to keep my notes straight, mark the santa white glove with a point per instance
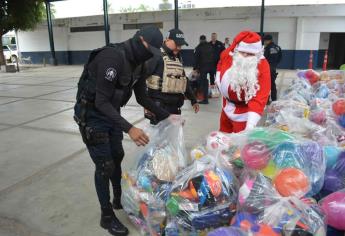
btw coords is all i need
(253, 119)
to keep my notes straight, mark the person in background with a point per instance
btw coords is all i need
(218, 47)
(204, 65)
(227, 42)
(273, 54)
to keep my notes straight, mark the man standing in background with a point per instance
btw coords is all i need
(204, 64)
(273, 54)
(218, 47)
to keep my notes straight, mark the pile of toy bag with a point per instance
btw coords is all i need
(287, 178)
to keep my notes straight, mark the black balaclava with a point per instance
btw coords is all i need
(153, 36)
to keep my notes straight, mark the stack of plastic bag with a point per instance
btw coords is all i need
(146, 188)
(202, 197)
(305, 108)
(264, 211)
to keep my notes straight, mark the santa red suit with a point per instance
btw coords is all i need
(244, 83)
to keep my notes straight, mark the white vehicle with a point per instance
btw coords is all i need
(10, 53)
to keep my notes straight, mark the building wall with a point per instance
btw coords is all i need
(300, 29)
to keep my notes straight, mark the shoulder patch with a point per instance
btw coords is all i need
(273, 50)
(110, 74)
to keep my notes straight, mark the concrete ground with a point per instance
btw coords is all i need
(46, 175)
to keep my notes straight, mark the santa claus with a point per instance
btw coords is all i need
(243, 78)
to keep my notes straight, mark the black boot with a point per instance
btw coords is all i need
(117, 199)
(110, 222)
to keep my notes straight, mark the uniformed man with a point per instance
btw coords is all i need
(167, 82)
(273, 55)
(204, 65)
(106, 84)
(218, 47)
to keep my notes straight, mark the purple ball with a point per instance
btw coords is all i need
(333, 182)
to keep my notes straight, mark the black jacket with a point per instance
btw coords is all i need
(155, 66)
(273, 54)
(204, 56)
(218, 47)
(113, 68)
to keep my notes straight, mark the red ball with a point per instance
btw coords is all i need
(256, 155)
(339, 107)
(291, 182)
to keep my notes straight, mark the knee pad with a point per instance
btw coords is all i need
(105, 168)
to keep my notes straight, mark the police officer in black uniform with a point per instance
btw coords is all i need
(218, 47)
(167, 82)
(273, 55)
(204, 65)
(106, 84)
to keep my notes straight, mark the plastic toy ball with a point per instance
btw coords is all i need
(339, 107)
(270, 170)
(291, 182)
(334, 207)
(341, 121)
(318, 117)
(287, 155)
(331, 154)
(333, 181)
(265, 230)
(216, 142)
(256, 155)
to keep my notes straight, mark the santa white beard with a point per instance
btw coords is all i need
(243, 76)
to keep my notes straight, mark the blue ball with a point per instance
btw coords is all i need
(331, 154)
(287, 154)
(341, 121)
(322, 92)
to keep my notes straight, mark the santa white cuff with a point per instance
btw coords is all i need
(253, 119)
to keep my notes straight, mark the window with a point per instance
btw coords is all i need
(87, 28)
(140, 25)
(5, 48)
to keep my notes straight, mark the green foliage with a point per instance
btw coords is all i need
(20, 14)
(142, 7)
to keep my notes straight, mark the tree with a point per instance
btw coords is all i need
(142, 7)
(19, 15)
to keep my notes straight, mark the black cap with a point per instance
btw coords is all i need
(268, 37)
(202, 37)
(152, 35)
(178, 36)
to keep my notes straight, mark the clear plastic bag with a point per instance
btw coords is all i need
(203, 196)
(146, 188)
(263, 211)
(334, 207)
(295, 166)
(228, 231)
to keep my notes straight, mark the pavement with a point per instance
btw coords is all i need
(46, 175)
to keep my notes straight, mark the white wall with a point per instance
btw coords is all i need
(299, 27)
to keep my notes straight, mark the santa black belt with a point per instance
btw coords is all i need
(239, 103)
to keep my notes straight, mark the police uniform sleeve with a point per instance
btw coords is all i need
(143, 99)
(108, 71)
(189, 93)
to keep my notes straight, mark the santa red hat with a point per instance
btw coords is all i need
(247, 41)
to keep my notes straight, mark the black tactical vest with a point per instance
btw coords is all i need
(122, 86)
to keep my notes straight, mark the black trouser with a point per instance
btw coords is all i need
(106, 153)
(204, 81)
(213, 75)
(273, 84)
